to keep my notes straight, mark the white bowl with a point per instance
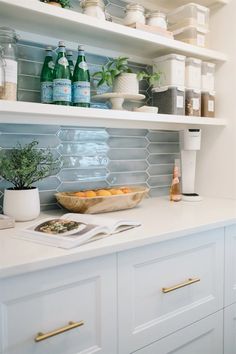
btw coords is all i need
(147, 109)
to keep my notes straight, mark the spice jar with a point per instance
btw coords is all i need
(94, 8)
(135, 13)
(157, 19)
(208, 104)
(8, 42)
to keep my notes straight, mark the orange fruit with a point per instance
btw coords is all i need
(116, 191)
(79, 194)
(103, 193)
(90, 194)
(127, 190)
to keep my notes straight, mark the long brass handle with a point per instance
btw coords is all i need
(181, 285)
(42, 336)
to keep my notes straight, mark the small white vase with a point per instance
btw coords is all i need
(23, 205)
(126, 83)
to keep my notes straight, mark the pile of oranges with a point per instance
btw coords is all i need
(102, 192)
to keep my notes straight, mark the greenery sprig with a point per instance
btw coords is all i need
(151, 78)
(24, 165)
(63, 3)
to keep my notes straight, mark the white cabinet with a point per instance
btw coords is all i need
(165, 287)
(230, 330)
(205, 336)
(48, 300)
(230, 265)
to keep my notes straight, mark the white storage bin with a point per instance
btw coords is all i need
(192, 35)
(190, 14)
(193, 70)
(172, 67)
(208, 77)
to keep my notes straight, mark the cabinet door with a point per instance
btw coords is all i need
(230, 330)
(45, 301)
(230, 265)
(205, 336)
(165, 287)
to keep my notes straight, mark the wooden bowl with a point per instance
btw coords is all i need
(106, 204)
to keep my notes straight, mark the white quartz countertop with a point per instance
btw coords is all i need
(161, 220)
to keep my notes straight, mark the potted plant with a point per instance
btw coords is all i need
(23, 166)
(117, 74)
(60, 3)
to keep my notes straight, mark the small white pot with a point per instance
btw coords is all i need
(23, 205)
(126, 83)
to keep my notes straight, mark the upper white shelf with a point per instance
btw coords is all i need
(36, 113)
(38, 18)
(171, 4)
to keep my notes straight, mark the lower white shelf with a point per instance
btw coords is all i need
(36, 113)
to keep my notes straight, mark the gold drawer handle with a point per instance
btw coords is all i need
(42, 336)
(182, 285)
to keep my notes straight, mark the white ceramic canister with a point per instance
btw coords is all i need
(22, 205)
(94, 8)
(135, 13)
(157, 19)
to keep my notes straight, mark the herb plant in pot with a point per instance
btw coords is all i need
(23, 166)
(59, 3)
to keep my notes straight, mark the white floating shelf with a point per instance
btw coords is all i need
(36, 17)
(36, 113)
(170, 4)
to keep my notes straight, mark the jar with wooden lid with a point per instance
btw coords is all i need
(135, 13)
(8, 44)
(157, 19)
(94, 8)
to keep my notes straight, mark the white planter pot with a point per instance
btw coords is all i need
(126, 83)
(23, 205)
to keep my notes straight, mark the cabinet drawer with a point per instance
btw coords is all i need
(205, 336)
(46, 301)
(230, 329)
(230, 265)
(156, 295)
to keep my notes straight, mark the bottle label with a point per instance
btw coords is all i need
(46, 92)
(61, 90)
(51, 65)
(10, 71)
(63, 61)
(83, 65)
(211, 106)
(81, 92)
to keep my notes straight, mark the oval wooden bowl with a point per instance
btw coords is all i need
(106, 204)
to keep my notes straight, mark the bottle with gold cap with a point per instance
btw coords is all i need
(175, 190)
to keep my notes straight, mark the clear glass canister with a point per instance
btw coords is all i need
(157, 19)
(135, 13)
(94, 8)
(8, 44)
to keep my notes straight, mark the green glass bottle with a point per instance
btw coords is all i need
(46, 78)
(81, 81)
(62, 78)
(69, 56)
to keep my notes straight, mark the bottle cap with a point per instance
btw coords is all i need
(48, 48)
(61, 44)
(69, 52)
(81, 48)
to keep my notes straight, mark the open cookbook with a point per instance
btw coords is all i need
(71, 230)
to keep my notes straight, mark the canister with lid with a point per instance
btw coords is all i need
(169, 100)
(208, 104)
(193, 73)
(8, 44)
(157, 19)
(135, 13)
(94, 8)
(193, 102)
(208, 77)
(172, 67)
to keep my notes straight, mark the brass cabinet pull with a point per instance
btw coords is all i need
(181, 285)
(42, 336)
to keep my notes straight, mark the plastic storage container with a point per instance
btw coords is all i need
(169, 100)
(173, 68)
(190, 15)
(193, 102)
(208, 104)
(193, 68)
(208, 77)
(191, 35)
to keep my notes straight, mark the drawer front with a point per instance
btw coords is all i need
(46, 301)
(205, 336)
(167, 286)
(230, 330)
(230, 265)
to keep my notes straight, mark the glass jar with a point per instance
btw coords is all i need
(8, 43)
(135, 13)
(94, 8)
(157, 19)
